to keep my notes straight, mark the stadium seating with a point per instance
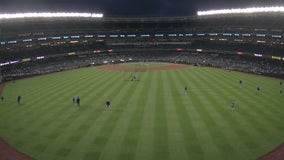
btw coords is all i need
(245, 43)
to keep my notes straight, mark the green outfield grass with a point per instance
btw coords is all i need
(151, 119)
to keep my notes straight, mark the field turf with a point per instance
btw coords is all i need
(150, 119)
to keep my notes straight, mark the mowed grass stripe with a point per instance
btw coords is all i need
(49, 114)
(250, 144)
(72, 122)
(115, 127)
(218, 107)
(250, 82)
(79, 119)
(270, 110)
(161, 147)
(90, 112)
(269, 106)
(48, 97)
(244, 137)
(238, 91)
(179, 125)
(56, 134)
(267, 134)
(204, 124)
(145, 146)
(90, 124)
(46, 83)
(201, 145)
(129, 145)
(264, 113)
(187, 118)
(123, 110)
(212, 102)
(23, 108)
(267, 113)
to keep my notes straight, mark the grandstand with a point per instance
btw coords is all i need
(255, 36)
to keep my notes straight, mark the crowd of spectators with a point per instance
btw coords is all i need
(248, 64)
(255, 65)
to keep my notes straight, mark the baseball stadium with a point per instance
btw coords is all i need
(204, 87)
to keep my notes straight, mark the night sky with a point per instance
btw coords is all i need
(130, 8)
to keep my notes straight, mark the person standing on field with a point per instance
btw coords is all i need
(73, 100)
(19, 99)
(108, 104)
(234, 105)
(78, 101)
(2, 99)
(185, 89)
(258, 89)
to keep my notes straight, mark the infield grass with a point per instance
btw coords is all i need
(150, 119)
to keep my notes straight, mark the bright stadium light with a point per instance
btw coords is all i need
(50, 15)
(242, 10)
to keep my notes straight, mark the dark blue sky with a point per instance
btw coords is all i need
(130, 8)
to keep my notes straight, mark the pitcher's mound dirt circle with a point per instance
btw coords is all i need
(118, 67)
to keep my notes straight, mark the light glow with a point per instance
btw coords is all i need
(276, 57)
(258, 55)
(242, 10)
(26, 59)
(40, 57)
(5, 63)
(240, 53)
(13, 62)
(199, 50)
(49, 15)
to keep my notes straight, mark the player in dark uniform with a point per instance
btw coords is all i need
(133, 78)
(19, 99)
(185, 89)
(281, 91)
(258, 89)
(2, 99)
(108, 104)
(234, 104)
(73, 100)
(78, 101)
(241, 82)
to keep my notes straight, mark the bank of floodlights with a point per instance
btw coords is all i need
(242, 11)
(50, 15)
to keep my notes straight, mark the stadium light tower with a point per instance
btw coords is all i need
(50, 15)
(242, 10)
